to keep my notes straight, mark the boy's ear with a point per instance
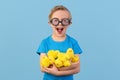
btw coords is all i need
(49, 23)
(70, 23)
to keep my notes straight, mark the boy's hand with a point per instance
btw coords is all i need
(52, 70)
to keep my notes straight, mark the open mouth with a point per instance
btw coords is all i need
(59, 30)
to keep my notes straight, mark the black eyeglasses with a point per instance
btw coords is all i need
(64, 21)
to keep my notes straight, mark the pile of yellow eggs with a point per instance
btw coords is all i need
(58, 58)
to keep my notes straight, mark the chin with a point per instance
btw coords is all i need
(60, 35)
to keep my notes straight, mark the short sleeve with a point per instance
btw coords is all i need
(76, 48)
(41, 48)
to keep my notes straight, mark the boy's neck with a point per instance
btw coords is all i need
(59, 38)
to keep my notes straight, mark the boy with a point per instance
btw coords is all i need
(59, 20)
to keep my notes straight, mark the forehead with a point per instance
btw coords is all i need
(61, 14)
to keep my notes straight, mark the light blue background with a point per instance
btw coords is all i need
(96, 26)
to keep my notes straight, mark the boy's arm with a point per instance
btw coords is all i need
(69, 72)
(75, 69)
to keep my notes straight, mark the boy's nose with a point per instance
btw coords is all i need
(60, 25)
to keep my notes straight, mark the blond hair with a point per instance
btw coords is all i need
(56, 8)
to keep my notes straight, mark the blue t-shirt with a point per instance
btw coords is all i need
(49, 44)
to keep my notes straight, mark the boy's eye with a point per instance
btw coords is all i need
(65, 21)
(55, 20)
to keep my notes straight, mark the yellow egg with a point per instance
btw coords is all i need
(75, 58)
(67, 57)
(53, 53)
(61, 56)
(45, 62)
(70, 52)
(66, 63)
(58, 63)
(51, 59)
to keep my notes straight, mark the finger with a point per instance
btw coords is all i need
(47, 70)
